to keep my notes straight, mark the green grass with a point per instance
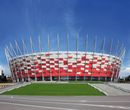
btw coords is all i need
(94, 82)
(56, 90)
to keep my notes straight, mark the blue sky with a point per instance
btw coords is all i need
(101, 18)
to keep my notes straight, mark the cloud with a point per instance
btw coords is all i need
(69, 18)
(125, 71)
(5, 69)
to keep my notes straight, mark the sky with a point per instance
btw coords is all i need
(100, 19)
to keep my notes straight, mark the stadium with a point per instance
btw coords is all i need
(63, 65)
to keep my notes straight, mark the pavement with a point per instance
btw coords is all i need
(64, 103)
(122, 86)
(117, 99)
(110, 89)
(3, 85)
(12, 86)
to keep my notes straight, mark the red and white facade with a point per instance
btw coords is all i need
(26, 64)
(65, 66)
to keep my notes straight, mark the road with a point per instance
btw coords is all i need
(64, 103)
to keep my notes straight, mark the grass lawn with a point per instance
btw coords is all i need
(94, 82)
(56, 90)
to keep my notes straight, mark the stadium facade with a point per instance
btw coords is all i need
(63, 65)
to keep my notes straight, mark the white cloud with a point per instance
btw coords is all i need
(5, 69)
(69, 18)
(125, 71)
(69, 21)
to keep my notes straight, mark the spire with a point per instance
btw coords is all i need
(18, 48)
(31, 43)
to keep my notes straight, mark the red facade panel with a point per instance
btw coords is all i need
(92, 65)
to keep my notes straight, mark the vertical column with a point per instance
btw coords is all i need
(23, 77)
(116, 54)
(17, 51)
(94, 48)
(19, 79)
(67, 56)
(14, 54)
(40, 50)
(76, 55)
(28, 62)
(117, 48)
(86, 43)
(121, 58)
(32, 49)
(13, 77)
(111, 69)
(58, 48)
(18, 48)
(25, 51)
(39, 44)
(49, 57)
(102, 49)
(9, 65)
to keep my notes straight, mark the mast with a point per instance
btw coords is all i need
(12, 48)
(25, 50)
(58, 48)
(94, 49)
(31, 44)
(109, 59)
(86, 43)
(39, 42)
(40, 50)
(49, 57)
(15, 55)
(121, 58)
(9, 65)
(18, 48)
(67, 55)
(32, 50)
(10, 54)
(76, 55)
(117, 49)
(102, 49)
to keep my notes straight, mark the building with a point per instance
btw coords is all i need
(63, 65)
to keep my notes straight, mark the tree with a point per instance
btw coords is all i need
(3, 77)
